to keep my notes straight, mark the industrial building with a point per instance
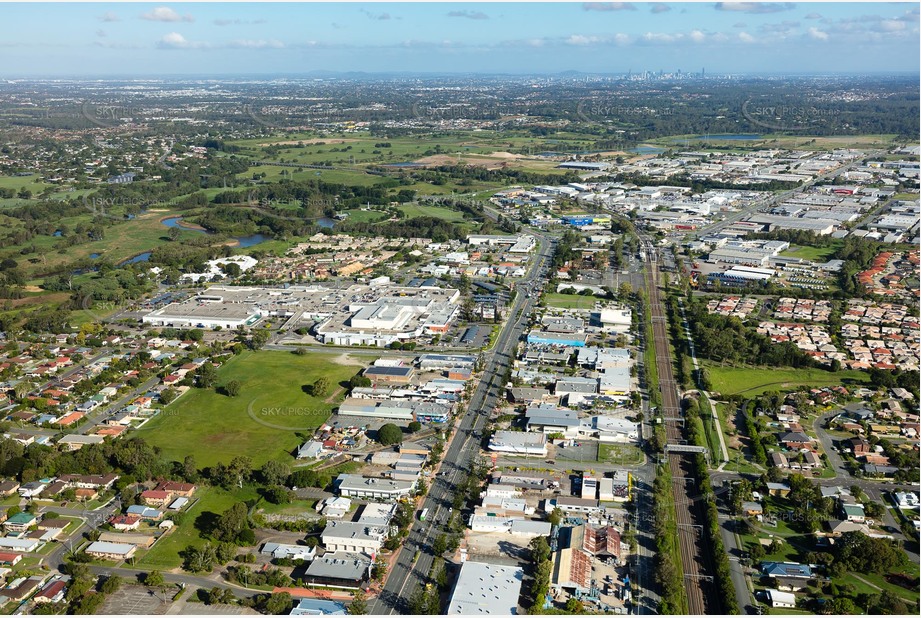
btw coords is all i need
(485, 589)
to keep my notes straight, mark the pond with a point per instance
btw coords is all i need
(242, 241)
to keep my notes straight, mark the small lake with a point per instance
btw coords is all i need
(141, 257)
(242, 241)
(741, 137)
(647, 150)
(326, 222)
(94, 256)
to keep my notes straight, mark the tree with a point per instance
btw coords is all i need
(233, 388)
(389, 434)
(111, 584)
(574, 606)
(231, 523)
(556, 516)
(320, 387)
(154, 579)
(274, 472)
(189, 469)
(278, 603)
(206, 375)
(415, 426)
(168, 396)
(199, 559)
(358, 606)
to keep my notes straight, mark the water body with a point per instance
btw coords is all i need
(326, 222)
(94, 256)
(58, 233)
(643, 150)
(141, 257)
(741, 137)
(242, 241)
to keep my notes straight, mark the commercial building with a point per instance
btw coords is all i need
(485, 589)
(518, 443)
(350, 536)
(339, 570)
(356, 486)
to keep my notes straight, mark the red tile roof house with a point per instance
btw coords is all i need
(9, 558)
(170, 379)
(125, 522)
(155, 497)
(178, 489)
(70, 419)
(51, 593)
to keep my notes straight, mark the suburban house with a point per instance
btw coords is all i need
(110, 551)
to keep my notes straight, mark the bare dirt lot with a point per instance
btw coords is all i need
(494, 160)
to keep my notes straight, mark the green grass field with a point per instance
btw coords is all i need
(212, 501)
(262, 421)
(751, 381)
(620, 454)
(815, 254)
(569, 301)
(446, 214)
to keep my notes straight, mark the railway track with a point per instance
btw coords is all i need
(695, 556)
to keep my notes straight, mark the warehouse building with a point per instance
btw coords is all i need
(483, 589)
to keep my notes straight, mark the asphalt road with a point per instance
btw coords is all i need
(405, 576)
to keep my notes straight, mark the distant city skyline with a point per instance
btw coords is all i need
(150, 39)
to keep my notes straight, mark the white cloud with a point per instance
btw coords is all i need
(891, 25)
(166, 14)
(813, 16)
(697, 36)
(174, 40)
(109, 16)
(755, 7)
(608, 6)
(746, 37)
(260, 44)
(818, 35)
(662, 37)
(659, 7)
(580, 39)
(101, 33)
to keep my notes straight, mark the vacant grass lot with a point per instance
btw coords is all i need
(438, 212)
(262, 421)
(569, 301)
(753, 381)
(212, 501)
(816, 254)
(620, 454)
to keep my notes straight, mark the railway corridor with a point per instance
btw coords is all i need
(697, 563)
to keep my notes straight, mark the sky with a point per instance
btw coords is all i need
(140, 39)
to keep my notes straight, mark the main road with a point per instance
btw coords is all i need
(409, 572)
